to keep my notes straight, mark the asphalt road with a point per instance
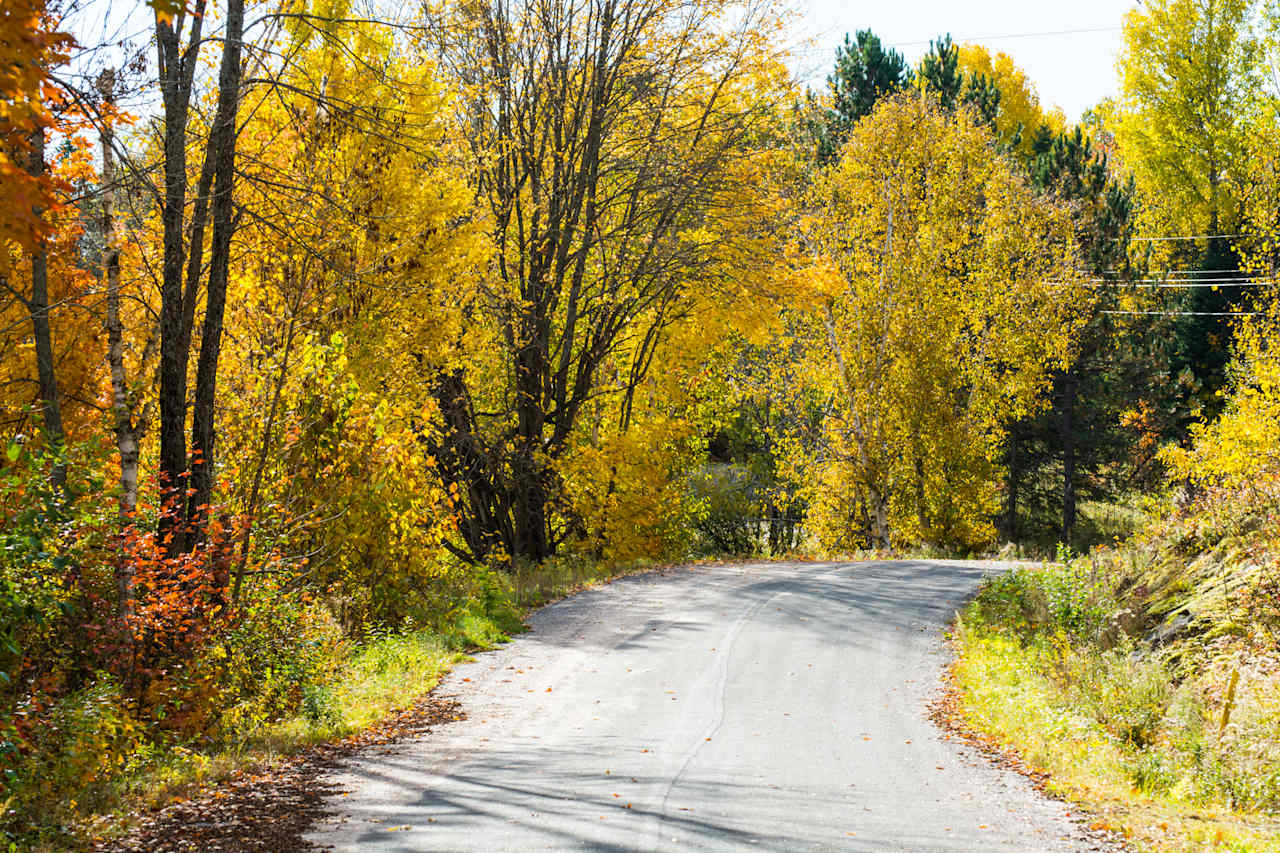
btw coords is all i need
(770, 706)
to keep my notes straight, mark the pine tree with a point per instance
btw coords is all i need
(940, 72)
(983, 95)
(864, 73)
(1080, 447)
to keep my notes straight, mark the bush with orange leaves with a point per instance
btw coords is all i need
(90, 682)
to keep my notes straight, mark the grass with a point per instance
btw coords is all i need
(382, 677)
(1132, 734)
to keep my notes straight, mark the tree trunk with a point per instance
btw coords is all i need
(121, 406)
(50, 404)
(922, 512)
(878, 502)
(1012, 483)
(176, 71)
(531, 541)
(222, 149)
(462, 460)
(1068, 438)
(879, 518)
(123, 425)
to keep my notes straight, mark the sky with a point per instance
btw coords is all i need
(1068, 49)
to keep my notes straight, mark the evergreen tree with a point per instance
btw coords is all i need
(1205, 330)
(864, 73)
(1083, 446)
(1193, 82)
(983, 95)
(940, 71)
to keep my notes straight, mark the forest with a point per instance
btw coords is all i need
(333, 339)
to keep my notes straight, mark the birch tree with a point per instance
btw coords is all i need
(949, 299)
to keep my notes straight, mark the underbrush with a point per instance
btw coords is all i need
(81, 762)
(1166, 731)
(98, 753)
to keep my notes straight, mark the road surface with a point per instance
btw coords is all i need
(777, 706)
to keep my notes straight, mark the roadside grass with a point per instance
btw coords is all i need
(354, 685)
(379, 678)
(1134, 735)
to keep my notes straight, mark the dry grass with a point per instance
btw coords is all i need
(1132, 735)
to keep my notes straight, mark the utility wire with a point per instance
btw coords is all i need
(1190, 313)
(1162, 284)
(1194, 272)
(1175, 285)
(1187, 237)
(980, 39)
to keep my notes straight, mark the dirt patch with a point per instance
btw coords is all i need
(271, 808)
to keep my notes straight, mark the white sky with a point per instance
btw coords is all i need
(1072, 70)
(1068, 49)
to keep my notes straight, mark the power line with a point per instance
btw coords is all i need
(1175, 285)
(1187, 237)
(1014, 36)
(1190, 313)
(815, 51)
(1162, 284)
(1191, 272)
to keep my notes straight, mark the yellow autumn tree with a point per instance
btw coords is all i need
(629, 200)
(1020, 114)
(949, 297)
(1190, 76)
(1240, 449)
(358, 248)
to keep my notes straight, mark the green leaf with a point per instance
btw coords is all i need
(13, 451)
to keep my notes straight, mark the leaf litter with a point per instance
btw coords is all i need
(270, 809)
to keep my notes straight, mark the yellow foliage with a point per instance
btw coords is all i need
(1243, 443)
(951, 297)
(628, 491)
(360, 238)
(1019, 103)
(1189, 86)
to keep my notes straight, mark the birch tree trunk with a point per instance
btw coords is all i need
(122, 405)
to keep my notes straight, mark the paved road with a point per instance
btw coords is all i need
(767, 707)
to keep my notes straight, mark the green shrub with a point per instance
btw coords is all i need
(318, 707)
(730, 509)
(1151, 774)
(1129, 695)
(1064, 598)
(278, 650)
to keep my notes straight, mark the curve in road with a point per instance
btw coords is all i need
(775, 706)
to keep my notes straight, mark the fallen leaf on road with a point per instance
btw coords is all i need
(268, 811)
